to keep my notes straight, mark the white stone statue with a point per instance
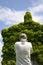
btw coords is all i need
(23, 49)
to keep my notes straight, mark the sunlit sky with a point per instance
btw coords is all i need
(12, 12)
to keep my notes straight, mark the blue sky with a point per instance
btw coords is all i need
(13, 11)
(18, 4)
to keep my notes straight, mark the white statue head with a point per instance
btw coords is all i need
(23, 37)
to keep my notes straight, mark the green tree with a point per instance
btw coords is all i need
(34, 33)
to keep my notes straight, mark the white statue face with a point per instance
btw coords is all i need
(23, 40)
(23, 37)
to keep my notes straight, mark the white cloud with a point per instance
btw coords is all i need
(9, 16)
(0, 36)
(37, 8)
(1, 45)
(37, 13)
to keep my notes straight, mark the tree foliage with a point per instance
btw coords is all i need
(34, 33)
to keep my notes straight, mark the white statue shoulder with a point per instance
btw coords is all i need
(29, 44)
(16, 44)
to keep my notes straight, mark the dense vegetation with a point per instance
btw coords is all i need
(34, 33)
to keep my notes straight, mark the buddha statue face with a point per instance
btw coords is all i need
(23, 37)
